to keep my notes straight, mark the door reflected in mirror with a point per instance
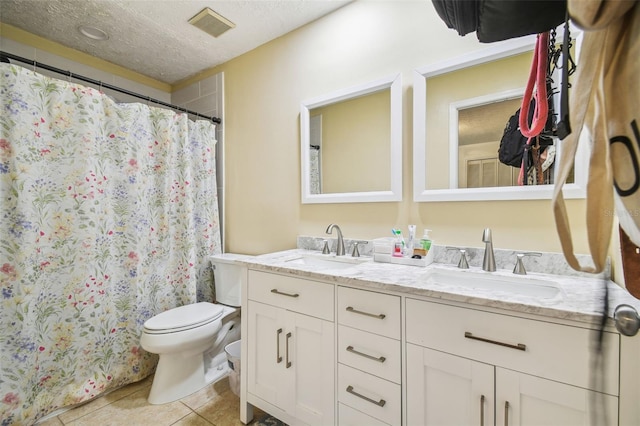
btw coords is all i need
(479, 131)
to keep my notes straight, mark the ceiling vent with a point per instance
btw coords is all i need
(211, 23)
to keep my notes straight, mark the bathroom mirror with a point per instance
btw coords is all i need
(351, 144)
(461, 107)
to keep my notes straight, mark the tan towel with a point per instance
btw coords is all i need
(605, 99)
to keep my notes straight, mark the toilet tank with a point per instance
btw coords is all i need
(228, 276)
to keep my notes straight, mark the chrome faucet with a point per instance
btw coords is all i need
(340, 244)
(356, 252)
(462, 263)
(519, 267)
(489, 261)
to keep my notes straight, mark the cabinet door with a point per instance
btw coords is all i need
(444, 389)
(311, 353)
(523, 400)
(266, 359)
(291, 360)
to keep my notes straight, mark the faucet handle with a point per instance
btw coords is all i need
(462, 263)
(519, 267)
(355, 252)
(325, 248)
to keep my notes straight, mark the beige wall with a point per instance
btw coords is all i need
(359, 43)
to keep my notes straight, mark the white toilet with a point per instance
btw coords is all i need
(190, 339)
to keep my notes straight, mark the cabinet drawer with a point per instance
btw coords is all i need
(294, 294)
(552, 351)
(368, 394)
(347, 416)
(369, 311)
(377, 355)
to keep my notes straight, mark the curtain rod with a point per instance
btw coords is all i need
(69, 74)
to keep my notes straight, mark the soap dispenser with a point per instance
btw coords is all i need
(425, 241)
(425, 244)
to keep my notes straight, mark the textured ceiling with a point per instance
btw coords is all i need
(154, 38)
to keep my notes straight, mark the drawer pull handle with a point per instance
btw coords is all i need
(375, 358)
(506, 413)
(519, 346)
(278, 357)
(373, 401)
(481, 410)
(355, 311)
(287, 353)
(276, 291)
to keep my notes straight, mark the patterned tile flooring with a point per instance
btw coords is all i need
(214, 405)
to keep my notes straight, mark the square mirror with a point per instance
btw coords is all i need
(461, 108)
(351, 144)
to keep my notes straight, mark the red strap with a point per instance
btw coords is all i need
(538, 79)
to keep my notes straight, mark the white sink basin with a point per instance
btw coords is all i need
(516, 284)
(327, 261)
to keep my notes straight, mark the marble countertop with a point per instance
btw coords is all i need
(580, 298)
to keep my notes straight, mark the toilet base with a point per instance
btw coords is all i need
(176, 377)
(180, 374)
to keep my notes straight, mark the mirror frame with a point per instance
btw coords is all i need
(392, 82)
(531, 192)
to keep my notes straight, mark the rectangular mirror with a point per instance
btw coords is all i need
(461, 107)
(351, 144)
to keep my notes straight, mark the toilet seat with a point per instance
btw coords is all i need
(183, 318)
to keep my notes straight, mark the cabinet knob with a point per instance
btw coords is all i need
(627, 320)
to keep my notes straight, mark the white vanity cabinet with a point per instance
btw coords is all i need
(459, 358)
(291, 347)
(369, 358)
(338, 350)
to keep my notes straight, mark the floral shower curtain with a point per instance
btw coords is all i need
(108, 212)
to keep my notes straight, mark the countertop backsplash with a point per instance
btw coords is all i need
(547, 263)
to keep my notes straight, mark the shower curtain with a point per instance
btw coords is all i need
(108, 212)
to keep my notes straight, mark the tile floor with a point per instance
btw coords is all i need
(214, 405)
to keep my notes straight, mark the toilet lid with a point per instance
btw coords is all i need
(184, 317)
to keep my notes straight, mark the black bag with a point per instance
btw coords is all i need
(496, 20)
(513, 142)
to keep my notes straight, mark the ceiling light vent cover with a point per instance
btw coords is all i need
(211, 23)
